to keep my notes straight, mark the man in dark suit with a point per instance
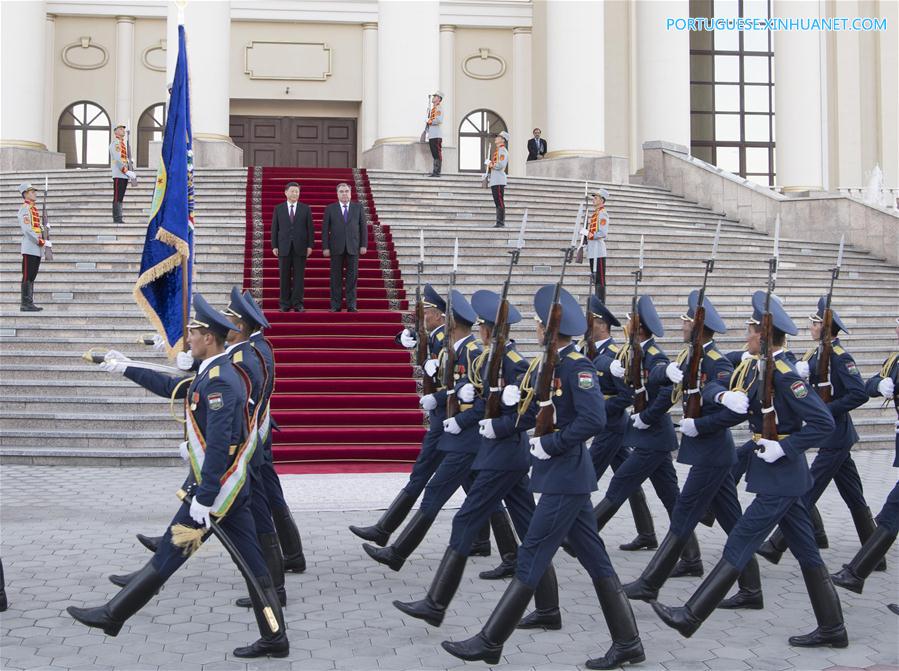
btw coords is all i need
(292, 240)
(536, 146)
(344, 238)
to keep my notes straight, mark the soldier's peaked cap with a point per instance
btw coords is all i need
(713, 320)
(573, 322)
(256, 312)
(599, 309)
(779, 317)
(462, 310)
(649, 317)
(206, 316)
(818, 316)
(486, 304)
(25, 186)
(432, 299)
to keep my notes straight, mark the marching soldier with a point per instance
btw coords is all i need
(596, 232)
(708, 447)
(564, 477)
(122, 174)
(779, 476)
(606, 449)
(434, 128)
(33, 244)
(834, 460)
(218, 450)
(497, 166)
(871, 554)
(502, 464)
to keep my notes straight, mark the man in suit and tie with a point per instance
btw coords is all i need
(536, 146)
(344, 238)
(292, 240)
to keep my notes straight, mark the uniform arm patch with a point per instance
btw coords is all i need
(215, 401)
(585, 380)
(799, 389)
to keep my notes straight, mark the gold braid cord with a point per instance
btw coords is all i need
(678, 391)
(527, 388)
(744, 376)
(474, 371)
(172, 400)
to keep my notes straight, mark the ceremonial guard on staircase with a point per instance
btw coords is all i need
(33, 244)
(596, 234)
(434, 130)
(122, 171)
(497, 179)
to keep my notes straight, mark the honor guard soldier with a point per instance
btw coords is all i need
(33, 244)
(434, 128)
(122, 173)
(779, 477)
(649, 433)
(707, 446)
(501, 464)
(563, 475)
(606, 449)
(497, 177)
(218, 451)
(834, 460)
(883, 385)
(459, 442)
(597, 230)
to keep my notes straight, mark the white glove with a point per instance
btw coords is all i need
(886, 387)
(511, 394)
(674, 373)
(585, 232)
(639, 423)
(537, 449)
(131, 175)
(466, 393)
(185, 360)
(735, 401)
(428, 402)
(802, 369)
(745, 355)
(486, 429)
(115, 355)
(114, 366)
(616, 369)
(200, 513)
(688, 427)
(408, 339)
(773, 450)
(158, 342)
(452, 426)
(431, 367)
(48, 244)
(184, 451)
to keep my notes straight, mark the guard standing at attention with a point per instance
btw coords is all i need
(434, 127)
(122, 174)
(33, 244)
(497, 167)
(596, 232)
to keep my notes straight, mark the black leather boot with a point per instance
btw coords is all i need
(853, 575)
(487, 645)
(390, 521)
(865, 526)
(117, 209)
(688, 618)
(500, 218)
(616, 609)
(481, 547)
(27, 298)
(271, 550)
(134, 596)
(546, 613)
(893, 608)
(690, 565)
(820, 534)
(289, 538)
(506, 569)
(446, 581)
(647, 586)
(149, 542)
(773, 548)
(271, 643)
(396, 555)
(708, 519)
(646, 533)
(438, 166)
(123, 579)
(749, 595)
(4, 604)
(826, 604)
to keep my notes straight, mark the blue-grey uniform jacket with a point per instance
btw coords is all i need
(890, 368)
(847, 394)
(660, 436)
(468, 440)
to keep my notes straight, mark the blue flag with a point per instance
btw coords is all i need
(163, 288)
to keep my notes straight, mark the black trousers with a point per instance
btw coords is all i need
(30, 265)
(436, 145)
(344, 266)
(119, 186)
(598, 268)
(292, 268)
(499, 196)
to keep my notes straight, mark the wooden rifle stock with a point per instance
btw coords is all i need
(500, 337)
(449, 361)
(589, 341)
(635, 367)
(769, 418)
(692, 396)
(543, 391)
(825, 349)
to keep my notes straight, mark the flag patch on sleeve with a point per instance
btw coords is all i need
(852, 368)
(799, 389)
(585, 380)
(215, 401)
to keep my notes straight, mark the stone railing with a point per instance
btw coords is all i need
(822, 217)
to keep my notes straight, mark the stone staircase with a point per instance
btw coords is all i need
(53, 405)
(678, 237)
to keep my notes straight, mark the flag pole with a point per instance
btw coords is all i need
(185, 304)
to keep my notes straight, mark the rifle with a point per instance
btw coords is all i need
(634, 373)
(825, 348)
(485, 180)
(423, 138)
(766, 356)
(500, 334)
(429, 386)
(579, 257)
(45, 228)
(449, 361)
(130, 161)
(692, 397)
(543, 390)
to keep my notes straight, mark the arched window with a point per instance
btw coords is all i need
(84, 135)
(476, 133)
(150, 127)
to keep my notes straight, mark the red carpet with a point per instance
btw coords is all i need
(345, 398)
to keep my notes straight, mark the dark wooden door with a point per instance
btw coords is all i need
(295, 141)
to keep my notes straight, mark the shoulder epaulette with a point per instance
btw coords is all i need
(809, 353)
(713, 354)
(575, 355)
(238, 357)
(214, 372)
(615, 348)
(783, 366)
(653, 349)
(838, 350)
(472, 346)
(513, 356)
(440, 335)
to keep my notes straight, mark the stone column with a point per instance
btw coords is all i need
(23, 52)
(50, 139)
(369, 109)
(797, 68)
(662, 73)
(448, 83)
(408, 70)
(124, 73)
(521, 99)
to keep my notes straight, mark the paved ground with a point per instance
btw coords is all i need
(65, 529)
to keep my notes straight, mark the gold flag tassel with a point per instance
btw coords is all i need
(188, 538)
